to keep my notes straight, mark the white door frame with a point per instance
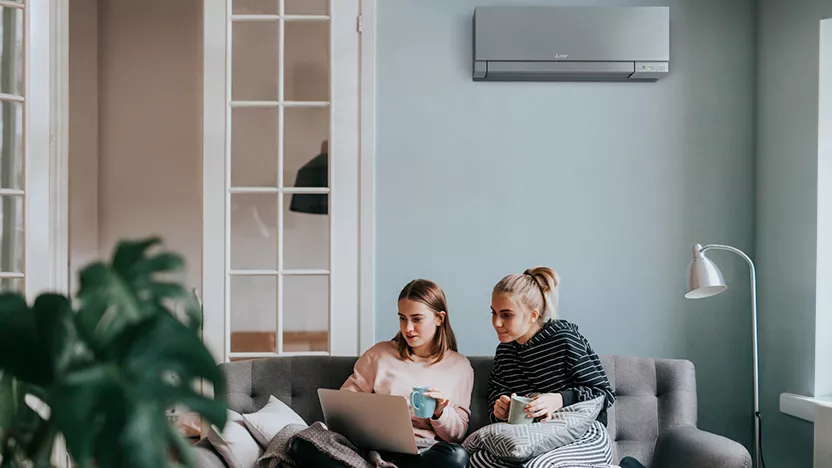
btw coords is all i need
(47, 156)
(367, 157)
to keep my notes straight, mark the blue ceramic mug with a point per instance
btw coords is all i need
(423, 405)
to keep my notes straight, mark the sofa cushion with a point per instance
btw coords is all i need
(269, 420)
(234, 443)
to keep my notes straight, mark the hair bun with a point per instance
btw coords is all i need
(545, 277)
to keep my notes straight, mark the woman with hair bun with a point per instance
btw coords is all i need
(546, 359)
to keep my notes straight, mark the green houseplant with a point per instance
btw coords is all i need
(103, 370)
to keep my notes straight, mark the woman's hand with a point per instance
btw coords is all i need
(441, 401)
(543, 405)
(501, 407)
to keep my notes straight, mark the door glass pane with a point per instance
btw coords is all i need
(306, 147)
(11, 234)
(254, 146)
(11, 285)
(307, 61)
(305, 313)
(253, 314)
(11, 51)
(307, 7)
(305, 231)
(11, 145)
(254, 231)
(254, 60)
(255, 7)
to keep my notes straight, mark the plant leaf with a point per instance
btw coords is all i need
(20, 352)
(56, 330)
(145, 436)
(163, 347)
(82, 402)
(128, 253)
(108, 306)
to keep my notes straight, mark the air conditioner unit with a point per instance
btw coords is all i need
(573, 43)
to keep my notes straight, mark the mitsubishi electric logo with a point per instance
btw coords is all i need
(561, 56)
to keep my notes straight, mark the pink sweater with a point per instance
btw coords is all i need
(381, 370)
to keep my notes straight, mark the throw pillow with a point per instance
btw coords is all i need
(234, 443)
(520, 443)
(270, 420)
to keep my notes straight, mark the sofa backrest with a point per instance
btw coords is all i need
(652, 394)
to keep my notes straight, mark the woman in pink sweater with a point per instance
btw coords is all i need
(423, 353)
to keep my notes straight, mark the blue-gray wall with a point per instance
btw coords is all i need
(787, 216)
(610, 184)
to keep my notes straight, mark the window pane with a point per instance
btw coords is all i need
(307, 61)
(305, 313)
(305, 231)
(306, 147)
(254, 62)
(11, 145)
(254, 7)
(11, 234)
(254, 231)
(254, 147)
(307, 7)
(253, 314)
(11, 51)
(11, 285)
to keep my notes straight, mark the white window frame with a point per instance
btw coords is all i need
(823, 299)
(351, 326)
(815, 408)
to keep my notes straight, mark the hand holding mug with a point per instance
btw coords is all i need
(424, 406)
(441, 401)
(501, 407)
(543, 405)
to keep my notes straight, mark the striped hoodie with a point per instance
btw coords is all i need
(558, 359)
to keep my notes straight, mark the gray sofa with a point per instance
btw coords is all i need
(653, 419)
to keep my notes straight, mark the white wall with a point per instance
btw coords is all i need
(136, 156)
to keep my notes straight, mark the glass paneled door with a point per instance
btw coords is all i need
(25, 229)
(281, 177)
(12, 155)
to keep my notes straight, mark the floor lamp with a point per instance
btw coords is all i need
(706, 280)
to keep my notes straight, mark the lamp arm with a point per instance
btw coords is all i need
(754, 340)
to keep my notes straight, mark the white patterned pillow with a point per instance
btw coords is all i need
(520, 443)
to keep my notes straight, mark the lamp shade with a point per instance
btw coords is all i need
(704, 277)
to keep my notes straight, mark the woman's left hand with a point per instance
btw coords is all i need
(441, 402)
(543, 405)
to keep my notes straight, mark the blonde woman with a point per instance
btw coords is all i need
(548, 360)
(423, 352)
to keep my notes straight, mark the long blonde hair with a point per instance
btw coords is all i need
(536, 288)
(430, 294)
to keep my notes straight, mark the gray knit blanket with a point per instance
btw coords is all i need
(333, 444)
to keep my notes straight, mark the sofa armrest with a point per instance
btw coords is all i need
(206, 457)
(689, 447)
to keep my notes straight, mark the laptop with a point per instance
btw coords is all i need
(369, 420)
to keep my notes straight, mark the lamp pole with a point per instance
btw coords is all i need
(757, 447)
